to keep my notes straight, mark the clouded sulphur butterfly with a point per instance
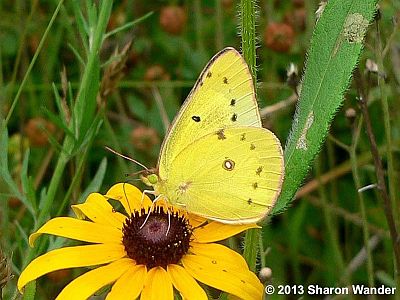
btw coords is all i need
(216, 160)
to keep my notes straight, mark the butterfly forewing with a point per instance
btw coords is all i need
(232, 175)
(222, 97)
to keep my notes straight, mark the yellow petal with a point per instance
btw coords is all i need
(219, 253)
(87, 284)
(195, 220)
(241, 283)
(129, 196)
(70, 257)
(216, 231)
(157, 285)
(79, 230)
(129, 285)
(185, 283)
(97, 209)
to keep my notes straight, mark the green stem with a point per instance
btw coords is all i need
(357, 181)
(30, 291)
(219, 21)
(53, 186)
(248, 32)
(85, 107)
(199, 25)
(331, 234)
(393, 182)
(75, 179)
(28, 72)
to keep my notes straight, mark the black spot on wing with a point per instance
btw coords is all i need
(259, 170)
(233, 102)
(196, 119)
(252, 147)
(234, 118)
(209, 74)
(243, 137)
(225, 80)
(221, 135)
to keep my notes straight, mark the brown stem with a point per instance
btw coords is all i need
(380, 174)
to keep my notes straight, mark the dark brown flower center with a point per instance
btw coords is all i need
(160, 240)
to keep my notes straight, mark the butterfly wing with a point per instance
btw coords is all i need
(223, 96)
(233, 175)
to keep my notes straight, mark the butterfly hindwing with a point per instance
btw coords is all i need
(233, 175)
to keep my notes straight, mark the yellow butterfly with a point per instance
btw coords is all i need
(216, 160)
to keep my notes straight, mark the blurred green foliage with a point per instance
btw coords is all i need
(302, 245)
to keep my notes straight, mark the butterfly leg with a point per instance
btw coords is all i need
(151, 207)
(148, 192)
(169, 223)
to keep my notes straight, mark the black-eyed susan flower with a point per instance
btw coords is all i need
(150, 253)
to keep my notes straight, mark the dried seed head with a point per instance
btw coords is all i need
(293, 78)
(173, 19)
(265, 274)
(144, 138)
(156, 72)
(298, 3)
(371, 66)
(279, 36)
(5, 271)
(37, 131)
(297, 19)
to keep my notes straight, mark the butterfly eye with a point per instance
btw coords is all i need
(228, 164)
(152, 178)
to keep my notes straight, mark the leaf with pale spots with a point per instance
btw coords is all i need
(333, 54)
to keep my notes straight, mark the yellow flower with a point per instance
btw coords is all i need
(149, 253)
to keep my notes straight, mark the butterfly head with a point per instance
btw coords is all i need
(150, 177)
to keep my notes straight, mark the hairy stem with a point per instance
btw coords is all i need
(248, 32)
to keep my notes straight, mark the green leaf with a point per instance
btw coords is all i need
(4, 145)
(128, 25)
(55, 119)
(27, 186)
(385, 278)
(5, 175)
(334, 51)
(96, 182)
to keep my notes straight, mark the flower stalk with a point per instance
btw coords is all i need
(248, 33)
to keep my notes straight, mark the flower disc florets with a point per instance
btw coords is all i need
(160, 240)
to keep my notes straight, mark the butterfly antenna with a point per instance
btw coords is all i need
(135, 173)
(126, 157)
(133, 179)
